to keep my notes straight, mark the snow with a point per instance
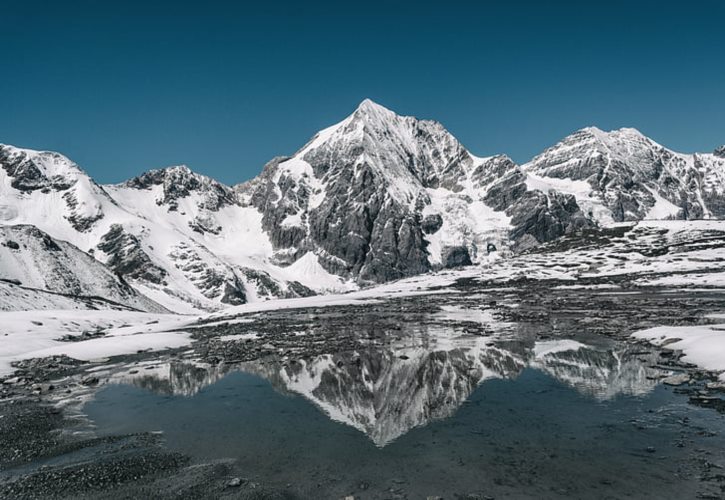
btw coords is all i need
(702, 345)
(465, 223)
(307, 269)
(32, 334)
(427, 284)
(662, 209)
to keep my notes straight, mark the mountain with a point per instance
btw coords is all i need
(380, 196)
(373, 198)
(177, 237)
(622, 175)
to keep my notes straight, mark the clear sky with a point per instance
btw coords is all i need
(125, 86)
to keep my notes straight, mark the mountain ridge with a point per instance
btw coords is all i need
(373, 198)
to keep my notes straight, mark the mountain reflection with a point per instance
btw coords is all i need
(385, 392)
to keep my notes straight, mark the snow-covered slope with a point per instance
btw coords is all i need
(31, 258)
(622, 175)
(179, 238)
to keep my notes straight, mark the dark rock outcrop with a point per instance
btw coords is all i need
(127, 258)
(431, 223)
(180, 182)
(456, 257)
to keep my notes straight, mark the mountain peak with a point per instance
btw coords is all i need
(720, 151)
(370, 106)
(623, 131)
(370, 110)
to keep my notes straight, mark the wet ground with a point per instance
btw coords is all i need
(478, 391)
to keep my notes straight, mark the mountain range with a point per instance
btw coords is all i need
(373, 198)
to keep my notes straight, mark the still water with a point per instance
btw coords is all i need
(557, 419)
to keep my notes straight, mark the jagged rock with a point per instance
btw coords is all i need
(127, 258)
(180, 182)
(355, 196)
(431, 223)
(719, 151)
(373, 198)
(80, 221)
(27, 175)
(297, 289)
(233, 294)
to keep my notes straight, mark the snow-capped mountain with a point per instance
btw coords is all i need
(376, 197)
(380, 196)
(622, 175)
(177, 237)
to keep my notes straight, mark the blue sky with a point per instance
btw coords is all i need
(124, 86)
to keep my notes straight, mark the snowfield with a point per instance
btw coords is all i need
(37, 334)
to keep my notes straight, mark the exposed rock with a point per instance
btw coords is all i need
(180, 182)
(234, 482)
(27, 175)
(62, 268)
(456, 257)
(127, 258)
(630, 174)
(431, 223)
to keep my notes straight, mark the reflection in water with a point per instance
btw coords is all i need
(385, 392)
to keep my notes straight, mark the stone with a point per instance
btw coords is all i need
(235, 482)
(678, 379)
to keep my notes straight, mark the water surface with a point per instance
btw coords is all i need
(554, 419)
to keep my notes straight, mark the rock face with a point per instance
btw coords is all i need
(456, 257)
(176, 235)
(127, 258)
(27, 173)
